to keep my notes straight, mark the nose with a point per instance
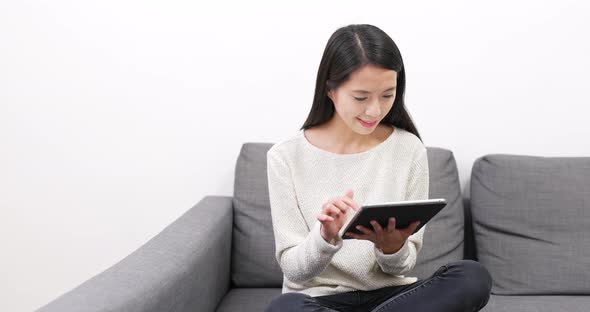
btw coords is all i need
(374, 109)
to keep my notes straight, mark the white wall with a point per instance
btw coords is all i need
(117, 116)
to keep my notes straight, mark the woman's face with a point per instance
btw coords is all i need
(367, 95)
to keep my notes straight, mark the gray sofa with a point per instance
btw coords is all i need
(529, 218)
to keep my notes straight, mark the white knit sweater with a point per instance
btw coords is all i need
(302, 177)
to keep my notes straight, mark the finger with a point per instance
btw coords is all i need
(329, 207)
(377, 227)
(341, 205)
(391, 225)
(333, 203)
(410, 229)
(364, 230)
(349, 193)
(324, 218)
(332, 211)
(353, 235)
(351, 203)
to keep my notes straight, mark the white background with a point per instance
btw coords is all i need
(117, 116)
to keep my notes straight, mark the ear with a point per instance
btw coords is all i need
(329, 92)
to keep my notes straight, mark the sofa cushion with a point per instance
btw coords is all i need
(443, 237)
(253, 247)
(247, 299)
(531, 217)
(498, 303)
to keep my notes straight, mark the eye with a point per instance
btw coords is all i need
(362, 99)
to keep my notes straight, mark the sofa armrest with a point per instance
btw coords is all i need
(185, 267)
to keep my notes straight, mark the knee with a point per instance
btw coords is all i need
(288, 302)
(476, 279)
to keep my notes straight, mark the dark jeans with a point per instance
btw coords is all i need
(464, 285)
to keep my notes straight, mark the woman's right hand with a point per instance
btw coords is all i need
(334, 215)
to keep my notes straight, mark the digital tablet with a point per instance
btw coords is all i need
(404, 212)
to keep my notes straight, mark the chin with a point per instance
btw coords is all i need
(364, 130)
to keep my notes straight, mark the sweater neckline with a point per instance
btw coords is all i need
(372, 150)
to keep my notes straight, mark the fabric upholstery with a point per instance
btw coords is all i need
(177, 270)
(499, 303)
(253, 261)
(531, 217)
(248, 299)
(443, 237)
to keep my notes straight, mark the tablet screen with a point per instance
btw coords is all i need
(404, 212)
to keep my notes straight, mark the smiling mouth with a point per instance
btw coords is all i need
(367, 124)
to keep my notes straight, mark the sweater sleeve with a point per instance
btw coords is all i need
(404, 259)
(301, 253)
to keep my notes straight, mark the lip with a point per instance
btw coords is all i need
(367, 125)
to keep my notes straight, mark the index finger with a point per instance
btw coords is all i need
(351, 203)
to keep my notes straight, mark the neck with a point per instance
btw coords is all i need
(343, 136)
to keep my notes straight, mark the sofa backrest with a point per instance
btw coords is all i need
(444, 234)
(531, 219)
(253, 262)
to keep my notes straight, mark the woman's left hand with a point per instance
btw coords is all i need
(389, 240)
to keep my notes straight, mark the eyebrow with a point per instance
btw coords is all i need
(364, 91)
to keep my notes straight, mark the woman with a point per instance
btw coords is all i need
(358, 145)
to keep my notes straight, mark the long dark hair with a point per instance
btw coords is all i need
(348, 49)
